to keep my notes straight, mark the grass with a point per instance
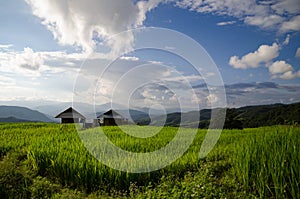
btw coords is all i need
(50, 161)
(268, 163)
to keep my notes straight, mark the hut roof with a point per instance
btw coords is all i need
(70, 113)
(110, 114)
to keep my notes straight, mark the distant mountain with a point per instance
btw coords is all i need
(244, 117)
(21, 114)
(157, 111)
(188, 119)
(13, 119)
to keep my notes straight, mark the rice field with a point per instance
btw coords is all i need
(50, 160)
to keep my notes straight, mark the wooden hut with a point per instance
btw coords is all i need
(70, 115)
(111, 118)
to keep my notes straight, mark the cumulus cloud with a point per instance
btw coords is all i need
(28, 75)
(88, 23)
(29, 59)
(291, 25)
(290, 75)
(84, 23)
(263, 54)
(272, 14)
(26, 59)
(280, 67)
(30, 63)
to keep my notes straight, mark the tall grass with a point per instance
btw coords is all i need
(56, 151)
(265, 160)
(268, 163)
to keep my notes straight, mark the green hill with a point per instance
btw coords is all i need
(21, 114)
(265, 115)
(244, 117)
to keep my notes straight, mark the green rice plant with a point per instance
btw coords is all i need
(265, 160)
(62, 155)
(268, 164)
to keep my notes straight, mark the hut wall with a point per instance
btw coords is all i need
(109, 122)
(113, 122)
(69, 120)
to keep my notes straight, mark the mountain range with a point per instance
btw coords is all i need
(243, 117)
(21, 114)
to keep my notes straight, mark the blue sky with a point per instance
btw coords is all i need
(44, 45)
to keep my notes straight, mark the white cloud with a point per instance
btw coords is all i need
(25, 62)
(287, 6)
(29, 59)
(280, 67)
(84, 23)
(264, 21)
(298, 53)
(272, 14)
(31, 63)
(146, 6)
(5, 46)
(26, 75)
(219, 7)
(77, 22)
(224, 23)
(129, 58)
(288, 75)
(212, 98)
(287, 40)
(291, 25)
(263, 54)
(87, 23)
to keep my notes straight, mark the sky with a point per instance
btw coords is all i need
(153, 53)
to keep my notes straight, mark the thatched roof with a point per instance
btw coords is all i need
(70, 113)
